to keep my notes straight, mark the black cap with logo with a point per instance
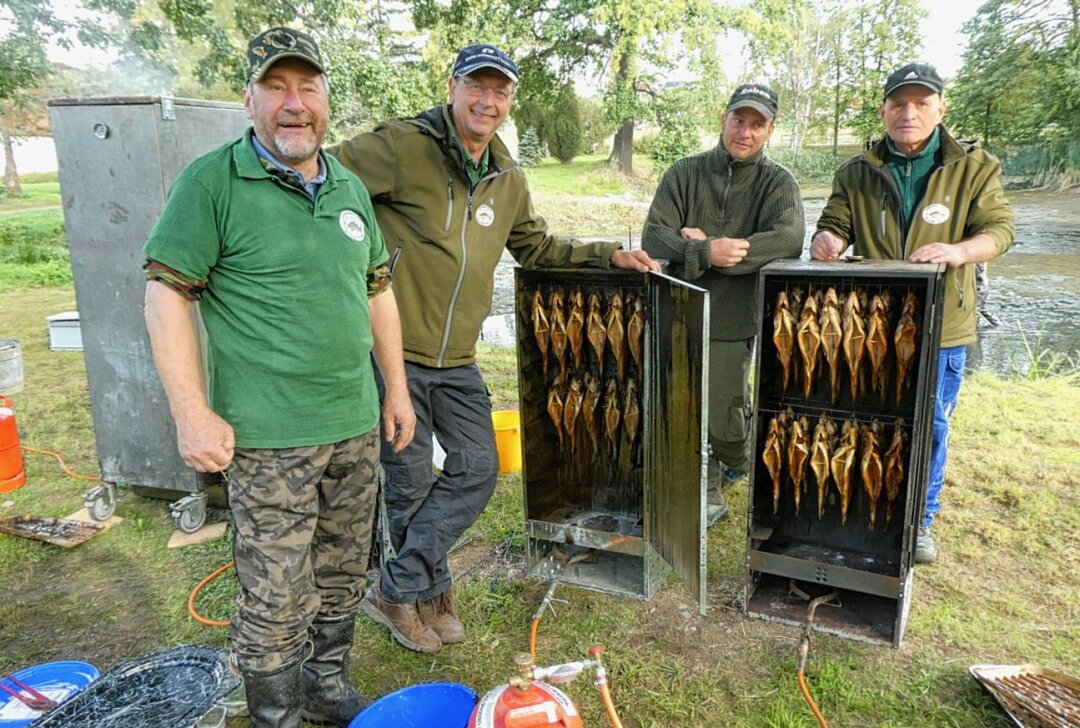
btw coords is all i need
(914, 74)
(756, 96)
(483, 55)
(271, 46)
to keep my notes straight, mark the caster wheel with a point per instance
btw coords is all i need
(189, 513)
(100, 501)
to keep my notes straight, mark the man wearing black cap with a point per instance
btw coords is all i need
(920, 195)
(720, 216)
(450, 200)
(279, 245)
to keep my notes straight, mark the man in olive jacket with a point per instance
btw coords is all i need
(720, 216)
(449, 199)
(920, 195)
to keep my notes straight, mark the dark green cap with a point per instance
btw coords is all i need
(271, 46)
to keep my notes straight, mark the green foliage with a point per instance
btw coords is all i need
(644, 142)
(33, 250)
(594, 129)
(808, 167)
(564, 133)
(529, 149)
(529, 115)
(678, 136)
(1042, 363)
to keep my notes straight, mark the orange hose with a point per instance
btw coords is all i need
(605, 695)
(60, 460)
(810, 700)
(532, 636)
(195, 592)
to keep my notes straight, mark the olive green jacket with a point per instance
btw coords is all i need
(445, 237)
(963, 198)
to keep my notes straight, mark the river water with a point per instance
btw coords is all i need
(1034, 301)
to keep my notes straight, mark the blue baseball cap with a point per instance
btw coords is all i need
(483, 55)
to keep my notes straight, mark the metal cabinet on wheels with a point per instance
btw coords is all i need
(117, 159)
(867, 436)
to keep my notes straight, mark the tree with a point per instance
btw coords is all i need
(529, 150)
(679, 126)
(564, 133)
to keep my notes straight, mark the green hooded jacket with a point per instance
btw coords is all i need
(446, 237)
(963, 198)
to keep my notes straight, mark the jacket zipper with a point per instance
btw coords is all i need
(449, 203)
(464, 261)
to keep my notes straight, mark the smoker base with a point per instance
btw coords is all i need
(862, 617)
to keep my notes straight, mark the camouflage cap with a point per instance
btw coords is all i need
(271, 46)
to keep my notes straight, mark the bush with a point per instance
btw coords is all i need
(815, 167)
(644, 141)
(678, 135)
(594, 128)
(564, 136)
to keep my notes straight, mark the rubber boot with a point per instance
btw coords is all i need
(274, 700)
(330, 698)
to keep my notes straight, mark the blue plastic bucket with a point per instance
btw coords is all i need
(431, 705)
(55, 680)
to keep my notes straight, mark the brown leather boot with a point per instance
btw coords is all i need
(438, 613)
(402, 620)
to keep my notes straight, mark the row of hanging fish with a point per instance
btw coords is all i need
(819, 334)
(580, 403)
(566, 325)
(791, 449)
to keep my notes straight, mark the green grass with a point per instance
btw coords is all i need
(1004, 591)
(33, 250)
(34, 194)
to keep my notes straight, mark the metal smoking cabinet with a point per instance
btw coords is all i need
(618, 517)
(798, 550)
(118, 157)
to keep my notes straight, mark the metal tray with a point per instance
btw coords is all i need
(65, 532)
(171, 689)
(1033, 696)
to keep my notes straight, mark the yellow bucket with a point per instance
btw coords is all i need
(508, 439)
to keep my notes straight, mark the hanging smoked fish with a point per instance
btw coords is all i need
(773, 457)
(854, 341)
(798, 451)
(595, 330)
(832, 333)
(894, 468)
(877, 344)
(821, 457)
(555, 407)
(589, 405)
(616, 332)
(571, 408)
(808, 336)
(904, 340)
(784, 335)
(557, 319)
(575, 327)
(635, 329)
(612, 416)
(541, 327)
(631, 412)
(843, 465)
(871, 468)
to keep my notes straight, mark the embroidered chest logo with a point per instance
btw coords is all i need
(936, 214)
(352, 225)
(485, 215)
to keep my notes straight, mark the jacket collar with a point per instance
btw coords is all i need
(724, 159)
(436, 122)
(951, 149)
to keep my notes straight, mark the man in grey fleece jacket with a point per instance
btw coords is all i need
(718, 217)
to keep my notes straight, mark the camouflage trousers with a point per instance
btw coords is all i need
(303, 521)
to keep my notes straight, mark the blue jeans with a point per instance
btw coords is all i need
(950, 374)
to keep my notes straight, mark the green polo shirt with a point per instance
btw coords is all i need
(286, 300)
(475, 170)
(912, 174)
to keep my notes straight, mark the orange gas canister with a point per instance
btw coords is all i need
(12, 475)
(525, 703)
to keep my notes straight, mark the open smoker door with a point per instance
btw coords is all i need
(675, 459)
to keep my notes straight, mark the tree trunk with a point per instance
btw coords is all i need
(622, 149)
(11, 174)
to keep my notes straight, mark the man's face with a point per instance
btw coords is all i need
(479, 104)
(745, 131)
(910, 115)
(289, 109)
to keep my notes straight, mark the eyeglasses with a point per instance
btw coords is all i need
(475, 88)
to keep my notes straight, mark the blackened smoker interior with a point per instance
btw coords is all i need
(865, 419)
(586, 403)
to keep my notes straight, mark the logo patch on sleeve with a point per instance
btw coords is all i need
(352, 225)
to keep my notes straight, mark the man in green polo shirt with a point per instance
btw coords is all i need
(278, 244)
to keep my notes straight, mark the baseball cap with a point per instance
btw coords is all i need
(756, 96)
(271, 46)
(918, 74)
(482, 55)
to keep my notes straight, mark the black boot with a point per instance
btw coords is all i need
(330, 698)
(274, 700)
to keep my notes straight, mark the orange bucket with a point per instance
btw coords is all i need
(12, 475)
(508, 439)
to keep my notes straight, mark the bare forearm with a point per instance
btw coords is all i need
(386, 329)
(175, 348)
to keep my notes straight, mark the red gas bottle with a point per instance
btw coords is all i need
(12, 475)
(525, 702)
